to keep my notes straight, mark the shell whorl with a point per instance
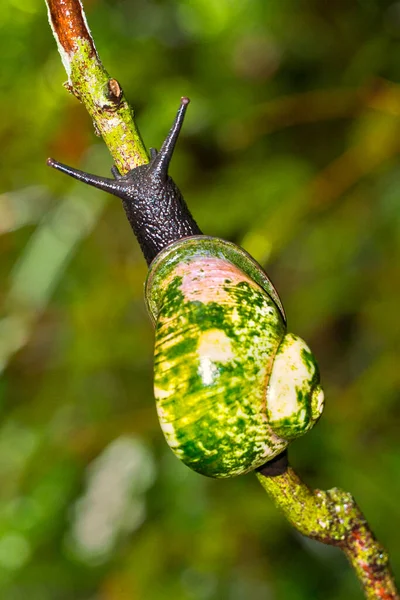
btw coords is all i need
(217, 333)
(207, 246)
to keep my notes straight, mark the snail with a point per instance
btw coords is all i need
(232, 387)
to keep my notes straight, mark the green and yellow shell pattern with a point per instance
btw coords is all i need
(232, 388)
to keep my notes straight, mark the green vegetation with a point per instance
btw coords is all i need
(290, 148)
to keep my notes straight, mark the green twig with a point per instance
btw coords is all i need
(88, 80)
(331, 517)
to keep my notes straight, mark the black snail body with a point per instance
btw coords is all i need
(232, 387)
(153, 203)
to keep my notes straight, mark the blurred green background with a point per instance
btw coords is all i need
(290, 148)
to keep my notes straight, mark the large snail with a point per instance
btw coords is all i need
(232, 387)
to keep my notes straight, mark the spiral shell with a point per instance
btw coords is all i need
(220, 343)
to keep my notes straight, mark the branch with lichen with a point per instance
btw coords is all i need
(331, 517)
(88, 80)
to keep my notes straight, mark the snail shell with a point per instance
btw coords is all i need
(232, 388)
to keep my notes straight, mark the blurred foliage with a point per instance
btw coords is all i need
(291, 148)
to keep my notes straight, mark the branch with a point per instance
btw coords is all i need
(101, 95)
(331, 517)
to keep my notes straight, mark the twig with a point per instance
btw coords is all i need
(90, 83)
(331, 517)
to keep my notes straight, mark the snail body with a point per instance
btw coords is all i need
(232, 387)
